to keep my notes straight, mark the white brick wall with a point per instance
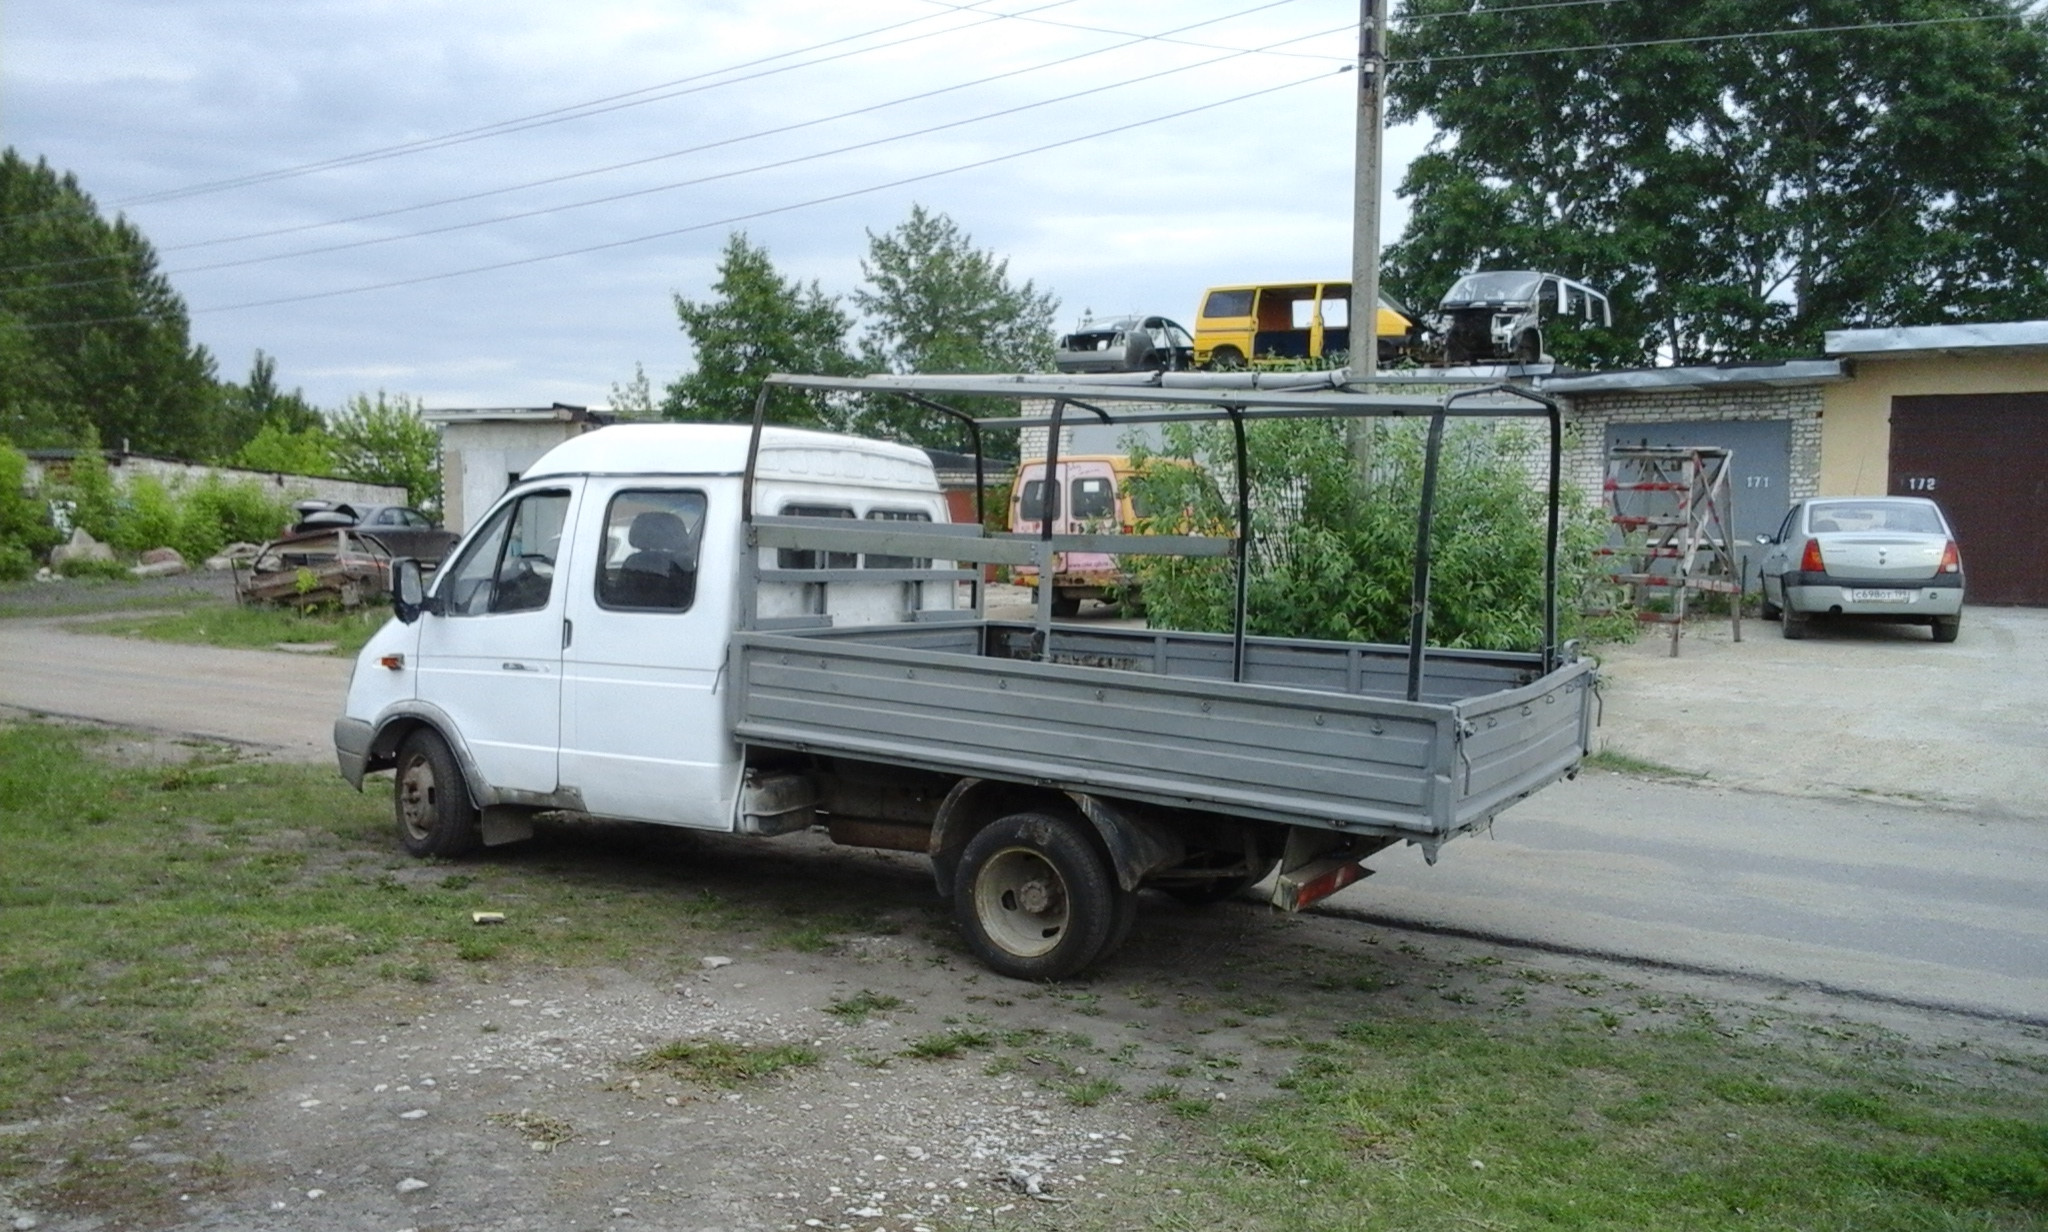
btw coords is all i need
(1588, 416)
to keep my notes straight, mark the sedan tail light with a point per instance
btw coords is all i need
(1809, 560)
(1951, 560)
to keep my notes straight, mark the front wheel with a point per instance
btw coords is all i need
(1034, 897)
(430, 801)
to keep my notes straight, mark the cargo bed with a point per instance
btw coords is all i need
(1316, 733)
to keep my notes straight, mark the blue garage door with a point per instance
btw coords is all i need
(1761, 461)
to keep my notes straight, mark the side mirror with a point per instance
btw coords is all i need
(408, 590)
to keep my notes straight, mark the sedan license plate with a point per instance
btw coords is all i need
(1880, 596)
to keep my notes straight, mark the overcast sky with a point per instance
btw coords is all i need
(737, 116)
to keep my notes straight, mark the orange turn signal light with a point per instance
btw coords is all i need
(394, 662)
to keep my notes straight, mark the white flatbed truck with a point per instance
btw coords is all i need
(762, 631)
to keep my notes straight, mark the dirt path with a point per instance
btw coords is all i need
(421, 1108)
(279, 705)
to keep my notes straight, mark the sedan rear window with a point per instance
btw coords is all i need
(1908, 517)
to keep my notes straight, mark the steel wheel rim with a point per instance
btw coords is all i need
(1022, 902)
(416, 799)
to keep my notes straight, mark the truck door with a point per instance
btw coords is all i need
(491, 658)
(643, 729)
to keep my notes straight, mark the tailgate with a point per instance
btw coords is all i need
(1512, 743)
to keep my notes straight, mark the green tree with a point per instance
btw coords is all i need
(249, 408)
(636, 397)
(936, 303)
(1737, 196)
(384, 440)
(276, 448)
(90, 331)
(755, 323)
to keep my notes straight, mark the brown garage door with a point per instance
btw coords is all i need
(1984, 459)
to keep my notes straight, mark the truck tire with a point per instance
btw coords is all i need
(1034, 897)
(1066, 607)
(430, 802)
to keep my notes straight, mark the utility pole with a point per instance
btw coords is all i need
(1365, 214)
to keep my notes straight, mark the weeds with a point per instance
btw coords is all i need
(720, 1063)
(947, 1044)
(855, 1009)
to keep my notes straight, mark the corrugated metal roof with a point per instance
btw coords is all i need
(1716, 376)
(1909, 340)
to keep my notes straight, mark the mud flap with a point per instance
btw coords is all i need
(503, 824)
(1318, 863)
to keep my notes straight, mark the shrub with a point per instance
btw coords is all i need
(25, 530)
(93, 569)
(1333, 557)
(198, 520)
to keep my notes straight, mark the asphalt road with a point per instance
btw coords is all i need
(1929, 897)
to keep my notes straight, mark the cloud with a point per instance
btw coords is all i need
(141, 98)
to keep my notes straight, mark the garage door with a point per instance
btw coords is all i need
(1984, 459)
(1761, 453)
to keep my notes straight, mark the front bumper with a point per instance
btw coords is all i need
(352, 739)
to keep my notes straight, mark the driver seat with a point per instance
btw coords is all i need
(654, 576)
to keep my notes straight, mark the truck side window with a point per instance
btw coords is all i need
(897, 562)
(650, 551)
(802, 558)
(510, 565)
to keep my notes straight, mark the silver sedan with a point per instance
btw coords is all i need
(1881, 557)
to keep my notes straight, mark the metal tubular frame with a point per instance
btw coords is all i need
(1238, 405)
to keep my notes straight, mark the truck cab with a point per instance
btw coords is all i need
(568, 655)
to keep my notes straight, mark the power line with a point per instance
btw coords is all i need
(705, 179)
(582, 109)
(1787, 32)
(577, 111)
(1132, 41)
(1519, 8)
(737, 218)
(1166, 37)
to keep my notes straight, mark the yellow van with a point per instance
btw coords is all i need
(1095, 498)
(1269, 324)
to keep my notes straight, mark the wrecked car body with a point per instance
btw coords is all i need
(342, 567)
(1495, 316)
(1126, 344)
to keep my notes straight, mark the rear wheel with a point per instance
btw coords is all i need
(1065, 605)
(1226, 359)
(1946, 628)
(430, 802)
(1035, 899)
(1793, 624)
